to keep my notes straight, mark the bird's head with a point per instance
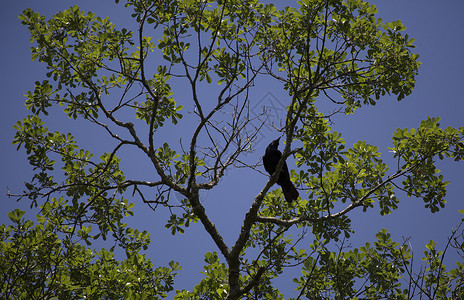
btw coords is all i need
(274, 144)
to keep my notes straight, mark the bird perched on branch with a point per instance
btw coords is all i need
(270, 160)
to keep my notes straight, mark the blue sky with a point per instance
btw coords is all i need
(439, 34)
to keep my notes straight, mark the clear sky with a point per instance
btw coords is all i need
(439, 34)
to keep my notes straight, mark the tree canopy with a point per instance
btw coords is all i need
(190, 70)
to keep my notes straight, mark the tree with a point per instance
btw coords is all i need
(324, 50)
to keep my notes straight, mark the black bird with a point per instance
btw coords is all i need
(270, 160)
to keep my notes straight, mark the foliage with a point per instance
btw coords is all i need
(132, 86)
(48, 260)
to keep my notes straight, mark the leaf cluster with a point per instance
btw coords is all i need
(43, 259)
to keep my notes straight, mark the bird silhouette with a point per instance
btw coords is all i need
(270, 160)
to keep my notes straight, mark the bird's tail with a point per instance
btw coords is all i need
(290, 192)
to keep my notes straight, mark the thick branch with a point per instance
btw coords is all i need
(199, 211)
